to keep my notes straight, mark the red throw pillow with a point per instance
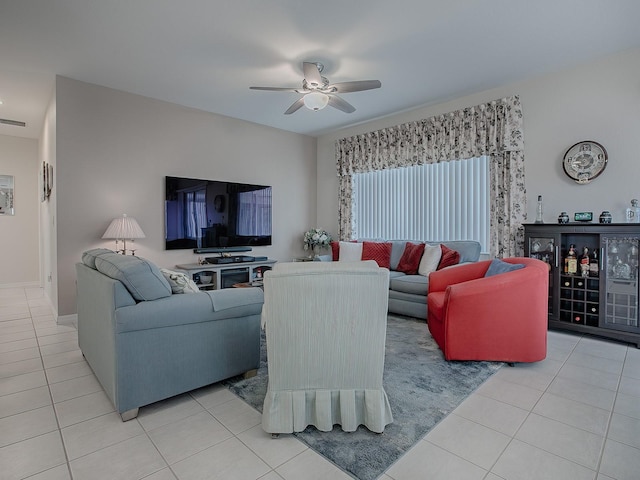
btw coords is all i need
(378, 251)
(410, 260)
(335, 251)
(449, 257)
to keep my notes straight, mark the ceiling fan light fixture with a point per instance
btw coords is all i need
(317, 92)
(316, 100)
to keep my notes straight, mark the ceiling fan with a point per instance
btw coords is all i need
(317, 92)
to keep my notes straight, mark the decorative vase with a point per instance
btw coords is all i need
(605, 217)
(316, 253)
(563, 217)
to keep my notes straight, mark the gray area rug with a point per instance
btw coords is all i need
(422, 388)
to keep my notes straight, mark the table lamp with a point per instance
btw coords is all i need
(124, 228)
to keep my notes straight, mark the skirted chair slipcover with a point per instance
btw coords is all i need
(325, 328)
(500, 318)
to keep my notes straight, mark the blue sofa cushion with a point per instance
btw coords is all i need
(469, 250)
(498, 266)
(89, 257)
(143, 279)
(414, 284)
(203, 307)
(397, 249)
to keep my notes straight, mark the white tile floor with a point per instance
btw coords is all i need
(575, 415)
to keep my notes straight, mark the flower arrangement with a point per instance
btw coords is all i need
(316, 237)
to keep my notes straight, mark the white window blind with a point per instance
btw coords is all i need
(195, 212)
(438, 201)
(254, 212)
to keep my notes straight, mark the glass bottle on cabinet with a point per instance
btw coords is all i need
(621, 284)
(545, 249)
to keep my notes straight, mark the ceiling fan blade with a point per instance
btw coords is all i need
(295, 106)
(340, 104)
(275, 89)
(357, 86)
(312, 74)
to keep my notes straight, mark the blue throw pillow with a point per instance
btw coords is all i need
(143, 279)
(89, 257)
(498, 266)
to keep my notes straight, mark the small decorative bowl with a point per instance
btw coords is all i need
(205, 279)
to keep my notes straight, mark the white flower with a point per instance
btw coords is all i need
(316, 237)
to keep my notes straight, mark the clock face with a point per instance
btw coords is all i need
(584, 161)
(218, 203)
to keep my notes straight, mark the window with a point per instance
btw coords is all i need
(438, 201)
(195, 212)
(254, 212)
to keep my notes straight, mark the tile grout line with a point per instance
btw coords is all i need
(605, 435)
(55, 412)
(513, 437)
(613, 406)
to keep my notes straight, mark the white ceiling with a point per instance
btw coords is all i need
(206, 53)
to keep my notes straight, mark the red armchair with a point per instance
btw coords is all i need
(498, 318)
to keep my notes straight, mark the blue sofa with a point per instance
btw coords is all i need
(408, 293)
(145, 343)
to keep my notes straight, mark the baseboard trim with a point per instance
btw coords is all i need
(21, 285)
(70, 320)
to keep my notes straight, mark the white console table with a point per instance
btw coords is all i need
(225, 275)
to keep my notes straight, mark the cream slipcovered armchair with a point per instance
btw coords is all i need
(325, 326)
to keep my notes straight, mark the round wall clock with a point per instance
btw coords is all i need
(584, 161)
(218, 203)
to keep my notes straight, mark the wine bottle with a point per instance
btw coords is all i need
(572, 260)
(539, 210)
(584, 262)
(594, 266)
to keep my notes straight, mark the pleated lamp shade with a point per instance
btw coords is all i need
(124, 228)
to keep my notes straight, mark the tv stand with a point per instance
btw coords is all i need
(218, 276)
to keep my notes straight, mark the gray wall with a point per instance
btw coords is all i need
(19, 255)
(597, 101)
(114, 149)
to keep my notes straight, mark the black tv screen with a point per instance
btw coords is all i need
(213, 215)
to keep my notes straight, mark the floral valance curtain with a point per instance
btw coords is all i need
(493, 129)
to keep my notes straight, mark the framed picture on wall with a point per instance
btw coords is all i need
(49, 179)
(6, 195)
(43, 182)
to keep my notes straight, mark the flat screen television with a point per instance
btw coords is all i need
(214, 216)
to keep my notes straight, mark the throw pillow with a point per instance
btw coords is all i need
(180, 282)
(143, 279)
(89, 257)
(397, 249)
(497, 266)
(430, 260)
(410, 260)
(335, 251)
(350, 252)
(378, 251)
(449, 257)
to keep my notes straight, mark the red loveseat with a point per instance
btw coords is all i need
(497, 318)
